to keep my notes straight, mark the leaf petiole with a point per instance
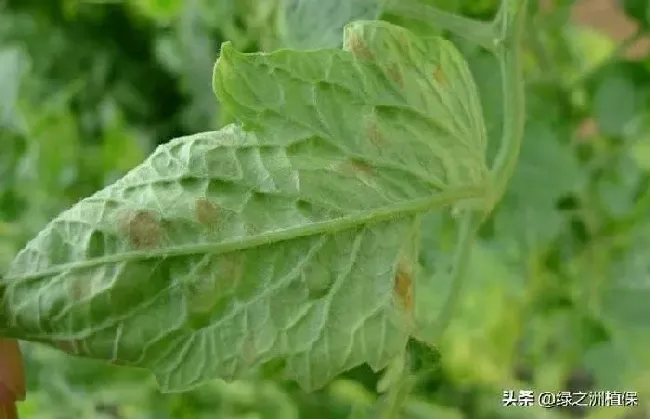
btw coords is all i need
(480, 33)
(510, 19)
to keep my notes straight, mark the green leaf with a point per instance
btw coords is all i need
(311, 24)
(616, 103)
(547, 171)
(14, 64)
(622, 287)
(292, 241)
(481, 339)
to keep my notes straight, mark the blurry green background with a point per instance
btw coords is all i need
(559, 291)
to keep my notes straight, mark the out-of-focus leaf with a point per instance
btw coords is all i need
(616, 103)
(294, 243)
(189, 51)
(311, 24)
(480, 343)
(547, 171)
(14, 64)
(617, 188)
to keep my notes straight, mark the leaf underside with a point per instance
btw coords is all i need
(290, 236)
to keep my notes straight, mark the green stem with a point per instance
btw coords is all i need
(510, 20)
(469, 226)
(509, 23)
(480, 33)
(397, 397)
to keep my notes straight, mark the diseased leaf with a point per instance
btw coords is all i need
(291, 240)
(14, 63)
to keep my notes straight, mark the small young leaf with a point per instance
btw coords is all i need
(277, 240)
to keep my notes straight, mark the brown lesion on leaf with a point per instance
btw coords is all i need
(403, 286)
(439, 76)
(403, 41)
(359, 49)
(372, 132)
(231, 267)
(80, 290)
(394, 72)
(206, 213)
(143, 229)
(68, 346)
(356, 167)
(249, 351)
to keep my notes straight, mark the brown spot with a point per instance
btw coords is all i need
(439, 76)
(404, 41)
(587, 129)
(80, 290)
(67, 346)
(373, 134)
(360, 50)
(356, 168)
(395, 73)
(248, 350)
(232, 267)
(144, 230)
(206, 212)
(403, 286)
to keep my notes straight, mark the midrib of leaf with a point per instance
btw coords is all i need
(401, 210)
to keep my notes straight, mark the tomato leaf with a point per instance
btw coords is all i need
(288, 237)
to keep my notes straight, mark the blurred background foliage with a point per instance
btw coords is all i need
(559, 287)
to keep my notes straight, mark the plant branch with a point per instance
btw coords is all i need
(480, 33)
(509, 26)
(469, 226)
(510, 20)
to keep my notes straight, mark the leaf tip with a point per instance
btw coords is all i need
(358, 48)
(221, 64)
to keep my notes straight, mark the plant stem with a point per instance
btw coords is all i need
(510, 20)
(509, 23)
(397, 397)
(469, 226)
(480, 33)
